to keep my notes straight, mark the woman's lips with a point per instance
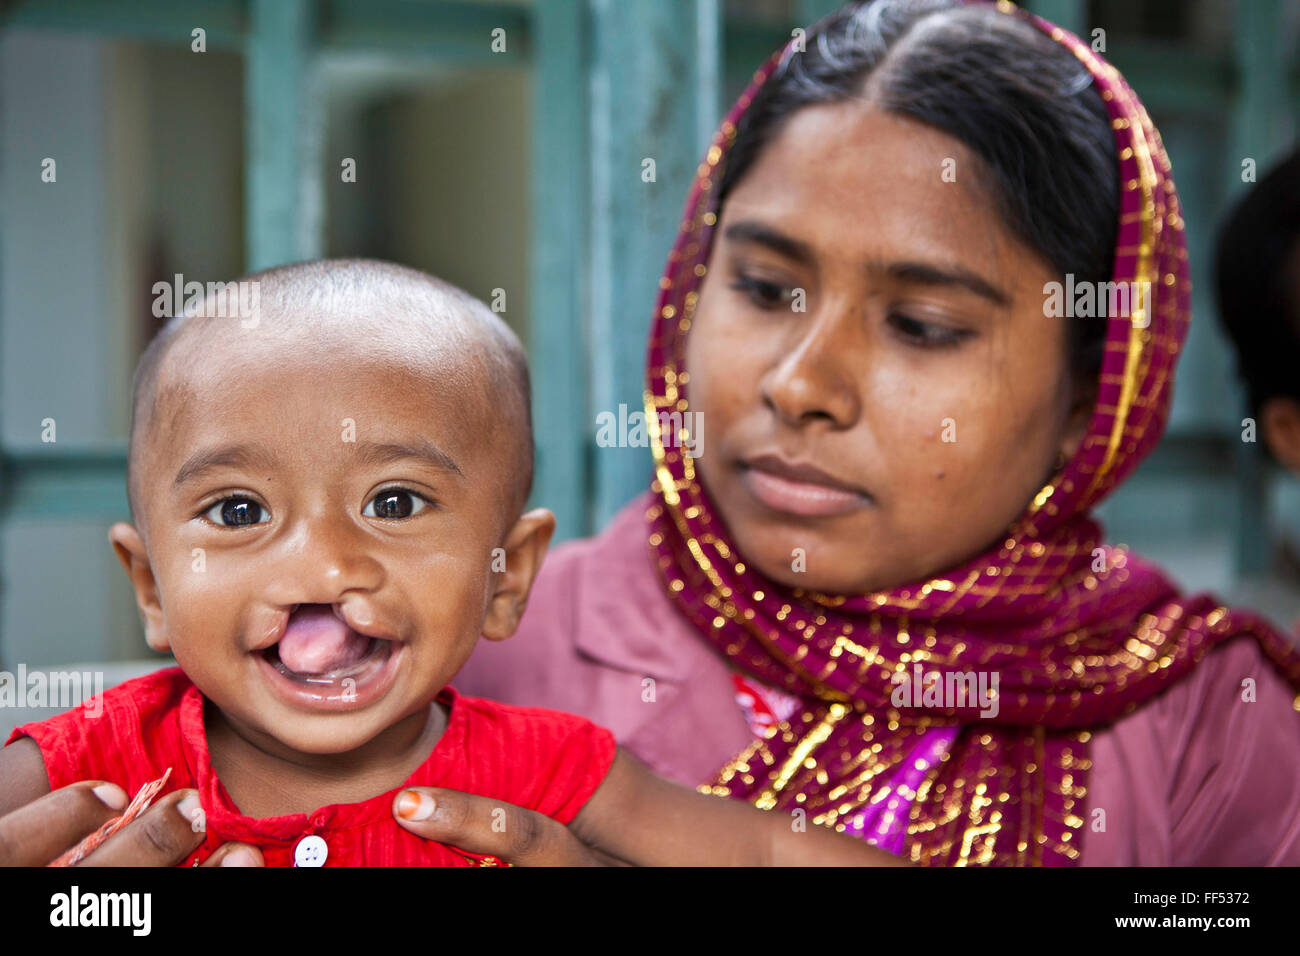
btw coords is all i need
(799, 489)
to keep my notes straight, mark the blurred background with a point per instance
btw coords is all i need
(498, 145)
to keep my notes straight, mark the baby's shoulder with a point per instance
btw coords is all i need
(541, 759)
(483, 716)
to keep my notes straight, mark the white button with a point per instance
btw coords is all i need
(310, 851)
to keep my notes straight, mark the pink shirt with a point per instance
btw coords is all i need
(1196, 777)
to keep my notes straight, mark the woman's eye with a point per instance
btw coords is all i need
(764, 294)
(395, 503)
(926, 334)
(238, 513)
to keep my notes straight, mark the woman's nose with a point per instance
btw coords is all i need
(814, 380)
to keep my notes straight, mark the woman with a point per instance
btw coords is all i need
(904, 441)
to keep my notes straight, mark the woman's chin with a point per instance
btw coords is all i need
(814, 570)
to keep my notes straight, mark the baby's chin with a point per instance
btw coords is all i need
(291, 736)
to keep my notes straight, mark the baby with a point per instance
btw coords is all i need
(328, 514)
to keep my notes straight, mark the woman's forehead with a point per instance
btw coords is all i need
(854, 182)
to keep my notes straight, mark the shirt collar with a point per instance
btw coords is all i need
(223, 817)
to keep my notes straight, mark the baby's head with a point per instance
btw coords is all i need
(327, 502)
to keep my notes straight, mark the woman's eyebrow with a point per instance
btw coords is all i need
(748, 230)
(924, 273)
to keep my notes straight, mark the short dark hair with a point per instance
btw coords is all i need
(1023, 103)
(1257, 283)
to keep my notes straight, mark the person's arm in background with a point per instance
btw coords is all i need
(1235, 795)
(647, 820)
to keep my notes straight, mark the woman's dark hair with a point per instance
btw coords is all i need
(1020, 101)
(1257, 280)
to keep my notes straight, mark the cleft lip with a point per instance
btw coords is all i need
(276, 633)
(367, 628)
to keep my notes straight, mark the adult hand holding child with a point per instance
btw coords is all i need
(164, 835)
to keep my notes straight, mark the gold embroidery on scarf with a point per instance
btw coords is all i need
(813, 739)
(1137, 336)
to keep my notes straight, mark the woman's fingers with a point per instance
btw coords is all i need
(163, 835)
(490, 827)
(42, 830)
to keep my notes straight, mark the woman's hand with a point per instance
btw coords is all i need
(164, 835)
(493, 828)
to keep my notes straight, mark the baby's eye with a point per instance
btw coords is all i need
(395, 503)
(237, 513)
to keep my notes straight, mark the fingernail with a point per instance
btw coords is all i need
(189, 807)
(111, 794)
(415, 806)
(239, 856)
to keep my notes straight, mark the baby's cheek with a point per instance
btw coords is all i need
(448, 597)
(197, 592)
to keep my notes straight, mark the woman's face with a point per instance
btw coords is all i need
(900, 422)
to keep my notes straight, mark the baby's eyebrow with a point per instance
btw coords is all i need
(251, 457)
(382, 453)
(226, 456)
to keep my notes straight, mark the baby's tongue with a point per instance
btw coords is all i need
(317, 642)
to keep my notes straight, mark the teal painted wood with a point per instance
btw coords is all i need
(808, 12)
(162, 21)
(64, 485)
(1259, 130)
(447, 32)
(557, 340)
(652, 94)
(279, 172)
(1170, 79)
(442, 30)
(746, 47)
(1070, 14)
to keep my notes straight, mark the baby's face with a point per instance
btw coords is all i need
(320, 524)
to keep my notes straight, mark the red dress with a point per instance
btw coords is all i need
(539, 759)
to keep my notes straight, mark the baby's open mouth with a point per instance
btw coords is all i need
(318, 647)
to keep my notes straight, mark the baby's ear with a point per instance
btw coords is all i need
(131, 552)
(514, 568)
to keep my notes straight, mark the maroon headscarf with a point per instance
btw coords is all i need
(1080, 633)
